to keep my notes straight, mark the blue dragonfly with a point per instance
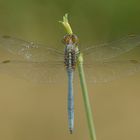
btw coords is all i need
(46, 64)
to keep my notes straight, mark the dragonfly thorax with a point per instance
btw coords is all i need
(70, 48)
(71, 51)
(70, 56)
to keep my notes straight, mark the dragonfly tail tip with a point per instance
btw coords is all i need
(71, 131)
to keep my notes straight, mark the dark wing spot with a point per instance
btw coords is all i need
(6, 36)
(134, 61)
(6, 61)
(131, 35)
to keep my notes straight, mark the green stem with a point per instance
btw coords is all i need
(89, 116)
(86, 98)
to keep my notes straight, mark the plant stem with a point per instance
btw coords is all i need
(89, 116)
(86, 98)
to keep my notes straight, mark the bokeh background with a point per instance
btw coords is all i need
(31, 111)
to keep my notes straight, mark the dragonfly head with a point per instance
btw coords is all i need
(70, 39)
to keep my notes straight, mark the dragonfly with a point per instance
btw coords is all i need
(47, 64)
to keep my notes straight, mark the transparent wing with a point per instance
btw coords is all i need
(110, 50)
(30, 51)
(45, 64)
(102, 72)
(31, 60)
(39, 72)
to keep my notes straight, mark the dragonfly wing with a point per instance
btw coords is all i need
(31, 60)
(29, 51)
(106, 51)
(107, 71)
(39, 72)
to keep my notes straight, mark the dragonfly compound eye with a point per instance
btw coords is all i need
(74, 38)
(70, 39)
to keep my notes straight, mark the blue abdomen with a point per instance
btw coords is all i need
(70, 100)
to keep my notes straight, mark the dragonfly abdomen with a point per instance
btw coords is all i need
(70, 63)
(70, 100)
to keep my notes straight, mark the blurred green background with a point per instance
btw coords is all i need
(29, 111)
